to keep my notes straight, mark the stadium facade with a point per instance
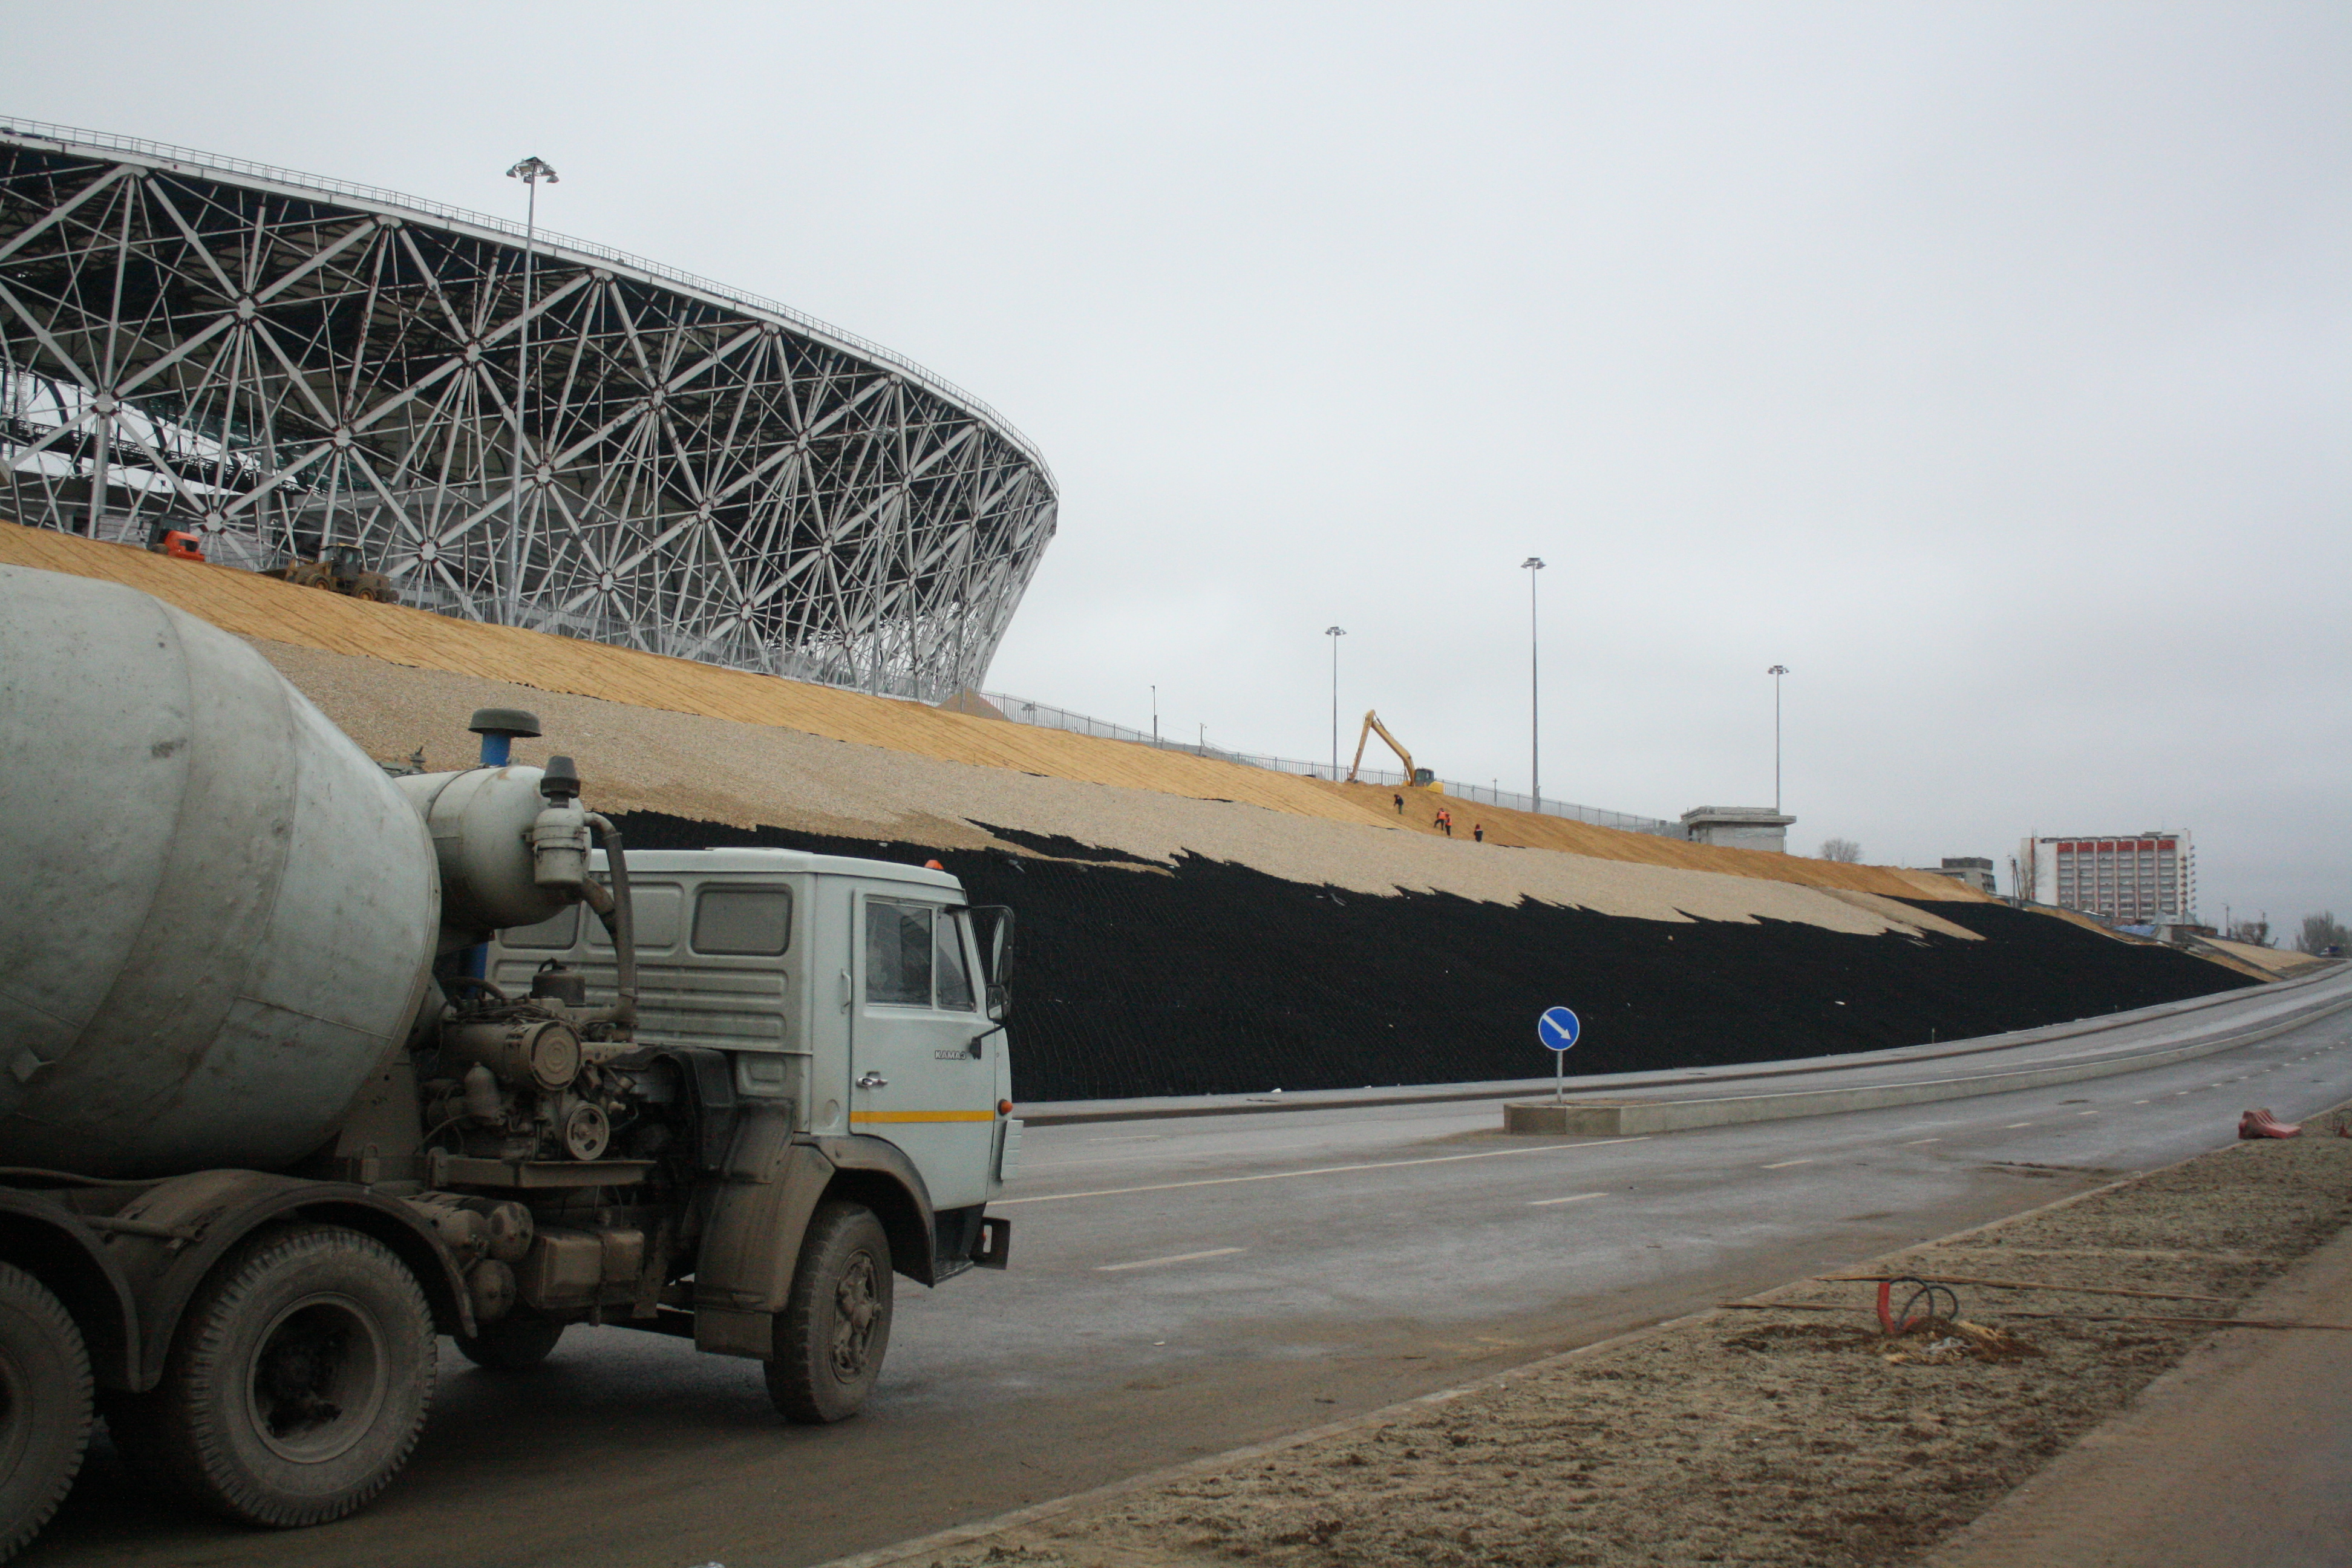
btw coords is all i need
(282, 364)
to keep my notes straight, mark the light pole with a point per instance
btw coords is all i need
(1776, 673)
(1335, 634)
(1155, 714)
(530, 171)
(1531, 566)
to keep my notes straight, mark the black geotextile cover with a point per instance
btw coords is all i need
(1217, 979)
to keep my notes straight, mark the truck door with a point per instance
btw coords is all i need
(923, 1069)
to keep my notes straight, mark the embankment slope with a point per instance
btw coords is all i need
(1191, 926)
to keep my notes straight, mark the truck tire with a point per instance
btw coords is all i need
(513, 1344)
(45, 1407)
(835, 1325)
(298, 1382)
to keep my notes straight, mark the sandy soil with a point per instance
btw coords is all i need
(1779, 1436)
(2268, 959)
(722, 771)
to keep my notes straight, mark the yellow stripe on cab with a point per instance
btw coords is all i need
(922, 1116)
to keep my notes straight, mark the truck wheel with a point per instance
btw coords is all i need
(298, 1381)
(512, 1343)
(45, 1407)
(835, 1325)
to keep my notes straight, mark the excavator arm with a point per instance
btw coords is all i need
(1373, 726)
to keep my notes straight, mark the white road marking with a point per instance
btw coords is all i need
(2086, 1114)
(1178, 1258)
(1916, 1142)
(1784, 1165)
(1133, 1138)
(2139, 1102)
(2015, 1125)
(1317, 1170)
(1579, 1197)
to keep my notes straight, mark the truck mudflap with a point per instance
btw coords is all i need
(969, 1238)
(769, 1186)
(67, 1252)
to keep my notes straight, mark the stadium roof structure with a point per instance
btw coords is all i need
(284, 365)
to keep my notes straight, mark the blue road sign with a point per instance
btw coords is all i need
(1557, 1028)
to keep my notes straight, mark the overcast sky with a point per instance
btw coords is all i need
(1986, 365)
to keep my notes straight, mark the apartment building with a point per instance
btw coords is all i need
(2131, 877)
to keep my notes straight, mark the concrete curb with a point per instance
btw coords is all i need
(1636, 1118)
(961, 1535)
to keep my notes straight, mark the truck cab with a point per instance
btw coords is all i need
(850, 1008)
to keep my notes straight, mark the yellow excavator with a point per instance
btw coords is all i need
(1419, 778)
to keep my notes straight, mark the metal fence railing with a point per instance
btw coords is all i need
(1024, 710)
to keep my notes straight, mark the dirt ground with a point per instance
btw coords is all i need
(1768, 1435)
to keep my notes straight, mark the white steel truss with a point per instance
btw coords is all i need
(280, 365)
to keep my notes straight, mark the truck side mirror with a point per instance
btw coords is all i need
(993, 928)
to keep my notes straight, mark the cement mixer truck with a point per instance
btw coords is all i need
(303, 1065)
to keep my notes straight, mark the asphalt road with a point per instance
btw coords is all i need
(1183, 1286)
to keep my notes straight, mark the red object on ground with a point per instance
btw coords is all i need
(2262, 1124)
(1886, 1310)
(182, 547)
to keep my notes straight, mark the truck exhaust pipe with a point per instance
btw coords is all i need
(613, 907)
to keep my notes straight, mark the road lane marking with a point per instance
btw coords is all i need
(1579, 1197)
(2015, 1125)
(2086, 1114)
(1916, 1142)
(1178, 1258)
(1317, 1170)
(1784, 1165)
(2139, 1102)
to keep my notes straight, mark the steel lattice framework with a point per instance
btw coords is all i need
(283, 364)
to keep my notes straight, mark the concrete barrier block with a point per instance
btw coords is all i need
(1576, 1119)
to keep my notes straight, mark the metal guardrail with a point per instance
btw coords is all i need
(71, 137)
(1044, 715)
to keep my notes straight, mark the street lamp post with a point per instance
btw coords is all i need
(1155, 713)
(1531, 566)
(1335, 634)
(531, 172)
(1776, 673)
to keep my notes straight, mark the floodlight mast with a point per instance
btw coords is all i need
(1776, 673)
(1531, 566)
(531, 172)
(1335, 634)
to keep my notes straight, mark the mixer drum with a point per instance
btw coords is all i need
(216, 913)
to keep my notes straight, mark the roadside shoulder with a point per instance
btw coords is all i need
(1783, 1431)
